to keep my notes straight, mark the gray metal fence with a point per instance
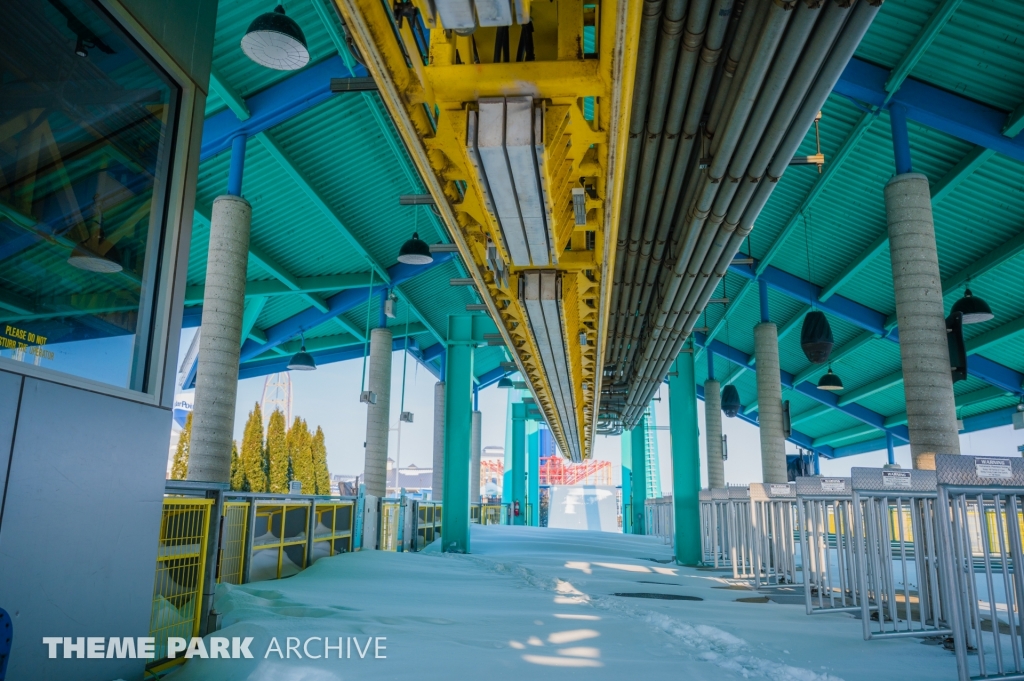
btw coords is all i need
(896, 513)
(659, 521)
(772, 533)
(828, 544)
(982, 499)
(739, 532)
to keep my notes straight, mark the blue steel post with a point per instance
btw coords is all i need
(237, 166)
(626, 442)
(762, 289)
(464, 333)
(817, 463)
(889, 448)
(711, 365)
(685, 434)
(900, 138)
(639, 451)
(533, 478)
(519, 462)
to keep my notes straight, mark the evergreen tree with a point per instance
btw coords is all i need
(237, 472)
(301, 454)
(179, 468)
(277, 453)
(323, 476)
(252, 451)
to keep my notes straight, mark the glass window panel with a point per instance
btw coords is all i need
(86, 131)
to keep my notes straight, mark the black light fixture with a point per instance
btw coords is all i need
(974, 309)
(731, 401)
(955, 343)
(505, 383)
(302, 360)
(274, 40)
(830, 381)
(415, 251)
(816, 337)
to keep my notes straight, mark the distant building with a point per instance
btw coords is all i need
(412, 478)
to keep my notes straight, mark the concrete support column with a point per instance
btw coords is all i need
(682, 419)
(927, 381)
(713, 432)
(533, 477)
(458, 409)
(639, 487)
(437, 474)
(769, 403)
(378, 381)
(220, 340)
(626, 443)
(519, 462)
(474, 460)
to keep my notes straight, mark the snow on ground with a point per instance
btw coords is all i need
(537, 603)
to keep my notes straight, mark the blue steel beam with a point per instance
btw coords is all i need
(938, 109)
(275, 105)
(862, 414)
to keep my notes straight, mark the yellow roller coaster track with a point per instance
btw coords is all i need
(432, 81)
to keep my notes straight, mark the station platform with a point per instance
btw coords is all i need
(542, 603)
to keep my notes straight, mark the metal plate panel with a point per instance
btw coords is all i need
(873, 480)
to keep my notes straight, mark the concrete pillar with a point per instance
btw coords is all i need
(533, 477)
(769, 403)
(682, 419)
(474, 460)
(378, 425)
(927, 382)
(639, 486)
(519, 462)
(626, 444)
(437, 476)
(713, 432)
(220, 340)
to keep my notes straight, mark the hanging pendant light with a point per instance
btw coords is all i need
(302, 360)
(95, 253)
(816, 337)
(830, 381)
(975, 309)
(505, 383)
(274, 40)
(731, 401)
(415, 251)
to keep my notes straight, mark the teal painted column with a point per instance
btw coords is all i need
(639, 487)
(626, 444)
(465, 332)
(685, 432)
(519, 461)
(533, 476)
(506, 476)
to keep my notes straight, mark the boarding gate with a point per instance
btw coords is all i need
(828, 544)
(896, 512)
(982, 522)
(772, 535)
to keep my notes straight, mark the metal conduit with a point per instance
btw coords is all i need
(776, 99)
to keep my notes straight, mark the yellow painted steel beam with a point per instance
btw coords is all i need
(430, 98)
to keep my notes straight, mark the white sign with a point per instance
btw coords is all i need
(896, 479)
(993, 468)
(833, 485)
(778, 490)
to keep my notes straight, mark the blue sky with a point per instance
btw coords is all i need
(329, 397)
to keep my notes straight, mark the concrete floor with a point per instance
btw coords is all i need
(540, 603)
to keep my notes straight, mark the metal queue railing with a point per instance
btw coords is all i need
(981, 527)
(828, 544)
(773, 527)
(739, 531)
(659, 521)
(896, 512)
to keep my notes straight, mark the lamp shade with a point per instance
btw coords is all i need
(505, 382)
(816, 337)
(974, 309)
(830, 381)
(302, 361)
(731, 401)
(274, 40)
(415, 251)
(96, 255)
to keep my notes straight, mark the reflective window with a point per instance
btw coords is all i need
(86, 123)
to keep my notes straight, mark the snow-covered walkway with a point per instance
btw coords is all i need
(540, 603)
